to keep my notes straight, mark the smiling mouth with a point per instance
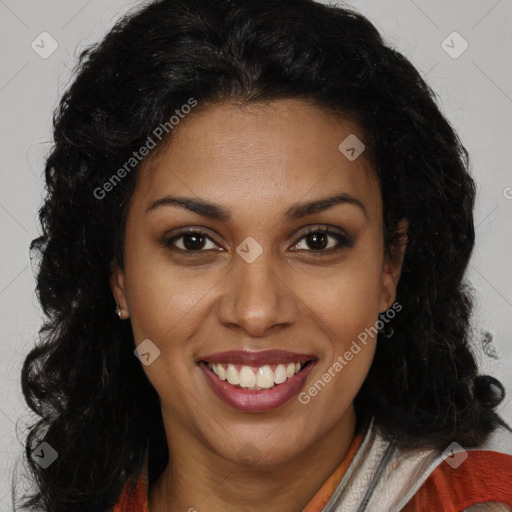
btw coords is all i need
(256, 377)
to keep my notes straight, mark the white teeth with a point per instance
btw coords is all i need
(232, 375)
(264, 377)
(255, 378)
(247, 377)
(280, 374)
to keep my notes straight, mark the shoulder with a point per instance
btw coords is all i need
(474, 479)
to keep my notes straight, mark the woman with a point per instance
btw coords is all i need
(254, 242)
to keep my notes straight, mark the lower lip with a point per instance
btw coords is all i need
(256, 400)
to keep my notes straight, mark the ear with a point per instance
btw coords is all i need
(393, 268)
(117, 285)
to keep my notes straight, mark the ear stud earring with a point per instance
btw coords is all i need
(118, 311)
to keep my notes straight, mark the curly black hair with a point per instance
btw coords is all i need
(96, 406)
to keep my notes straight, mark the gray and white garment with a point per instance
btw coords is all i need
(383, 478)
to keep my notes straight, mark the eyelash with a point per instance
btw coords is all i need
(343, 241)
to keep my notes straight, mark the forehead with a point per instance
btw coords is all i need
(267, 154)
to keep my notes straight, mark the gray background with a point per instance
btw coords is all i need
(475, 93)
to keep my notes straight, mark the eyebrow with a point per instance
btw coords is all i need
(295, 212)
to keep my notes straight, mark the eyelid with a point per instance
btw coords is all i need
(314, 228)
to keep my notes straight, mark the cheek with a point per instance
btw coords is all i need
(346, 301)
(164, 298)
(166, 306)
(346, 309)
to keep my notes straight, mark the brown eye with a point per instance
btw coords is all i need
(190, 241)
(317, 241)
(323, 241)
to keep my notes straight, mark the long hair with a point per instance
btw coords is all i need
(97, 408)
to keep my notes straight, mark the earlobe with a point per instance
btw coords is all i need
(393, 267)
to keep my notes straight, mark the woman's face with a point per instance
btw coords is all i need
(256, 180)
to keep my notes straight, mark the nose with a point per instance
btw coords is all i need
(257, 297)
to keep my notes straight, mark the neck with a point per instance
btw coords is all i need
(198, 479)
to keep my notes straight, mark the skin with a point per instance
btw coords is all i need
(256, 161)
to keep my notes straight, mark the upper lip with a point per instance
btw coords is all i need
(261, 358)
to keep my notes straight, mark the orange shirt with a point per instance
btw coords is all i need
(135, 500)
(484, 476)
